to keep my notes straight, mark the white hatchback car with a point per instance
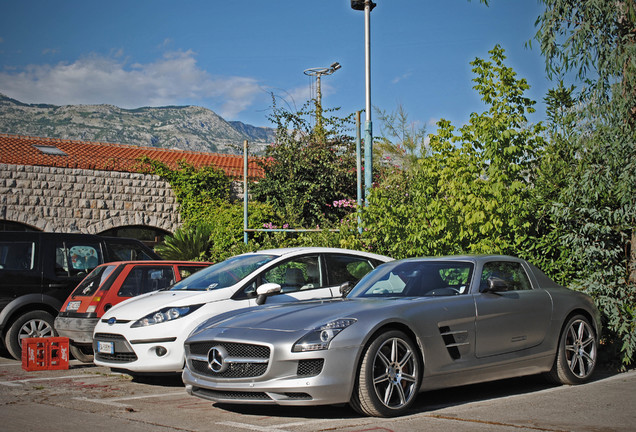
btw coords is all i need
(145, 334)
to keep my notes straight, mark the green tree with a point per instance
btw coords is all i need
(594, 213)
(212, 225)
(198, 190)
(400, 141)
(551, 177)
(308, 168)
(470, 194)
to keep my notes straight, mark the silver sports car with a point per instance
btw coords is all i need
(408, 326)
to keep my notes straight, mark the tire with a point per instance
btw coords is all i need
(83, 353)
(576, 354)
(32, 324)
(389, 376)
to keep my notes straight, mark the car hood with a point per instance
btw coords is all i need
(140, 306)
(304, 315)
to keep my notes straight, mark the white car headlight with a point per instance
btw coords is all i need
(165, 314)
(320, 337)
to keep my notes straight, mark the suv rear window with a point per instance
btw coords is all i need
(73, 258)
(128, 252)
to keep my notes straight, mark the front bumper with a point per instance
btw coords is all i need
(78, 330)
(284, 380)
(156, 355)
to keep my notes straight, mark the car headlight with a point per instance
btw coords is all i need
(320, 337)
(165, 314)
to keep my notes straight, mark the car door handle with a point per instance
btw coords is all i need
(60, 285)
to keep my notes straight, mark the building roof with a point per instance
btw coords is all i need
(26, 150)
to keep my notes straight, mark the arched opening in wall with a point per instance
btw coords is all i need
(148, 235)
(6, 225)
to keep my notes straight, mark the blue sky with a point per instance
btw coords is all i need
(230, 56)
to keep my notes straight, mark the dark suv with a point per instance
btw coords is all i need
(39, 270)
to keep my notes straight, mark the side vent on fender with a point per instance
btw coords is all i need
(453, 340)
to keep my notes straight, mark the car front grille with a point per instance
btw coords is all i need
(215, 395)
(298, 396)
(243, 360)
(244, 396)
(109, 337)
(233, 349)
(235, 370)
(117, 357)
(308, 368)
(123, 351)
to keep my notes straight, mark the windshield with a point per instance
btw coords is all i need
(223, 274)
(416, 279)
(94, 280)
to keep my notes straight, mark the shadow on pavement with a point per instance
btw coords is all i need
(308, 412)
(163, 380)
(425, 402)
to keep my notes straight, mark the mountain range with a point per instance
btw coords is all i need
(174, 127)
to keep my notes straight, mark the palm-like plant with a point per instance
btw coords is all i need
(188, 243)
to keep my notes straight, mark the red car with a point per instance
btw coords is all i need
(107, 285)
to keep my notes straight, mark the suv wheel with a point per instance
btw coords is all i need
(30, 325)
(83, 353)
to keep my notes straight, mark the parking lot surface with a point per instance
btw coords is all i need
(86, 397)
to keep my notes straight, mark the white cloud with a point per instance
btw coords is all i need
(402, 77)
(174, 79)
(49, 51)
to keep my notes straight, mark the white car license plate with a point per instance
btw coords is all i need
(106, 347)
(73, 306)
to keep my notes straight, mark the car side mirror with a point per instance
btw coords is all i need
(265, 291)
(345, 288)
(496, 284)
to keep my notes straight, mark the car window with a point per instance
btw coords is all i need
(145, 279)
(416, 279)
(94, 280)
(224, 274)
(510, 272)
(297, 274)
(17, 255)
(347, 268)
(73, 258)
(185, 271)
(128, 252)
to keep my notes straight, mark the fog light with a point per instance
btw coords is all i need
(160, 351)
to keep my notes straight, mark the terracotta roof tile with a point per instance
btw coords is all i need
(22, 150)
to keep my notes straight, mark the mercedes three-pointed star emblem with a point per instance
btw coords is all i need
(216, 359)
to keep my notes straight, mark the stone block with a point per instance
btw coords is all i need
(23, 184)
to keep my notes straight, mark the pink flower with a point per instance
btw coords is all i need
(349, 203)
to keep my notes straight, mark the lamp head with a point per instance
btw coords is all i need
(359, 4)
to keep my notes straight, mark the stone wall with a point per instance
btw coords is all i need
(87, 201)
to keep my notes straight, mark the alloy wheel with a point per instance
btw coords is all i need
(35, 329)
(580, 348)
(395, 373)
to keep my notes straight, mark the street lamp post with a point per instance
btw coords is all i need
(318, 73)
(367, 6)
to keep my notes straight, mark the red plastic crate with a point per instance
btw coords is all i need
(45, 353)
